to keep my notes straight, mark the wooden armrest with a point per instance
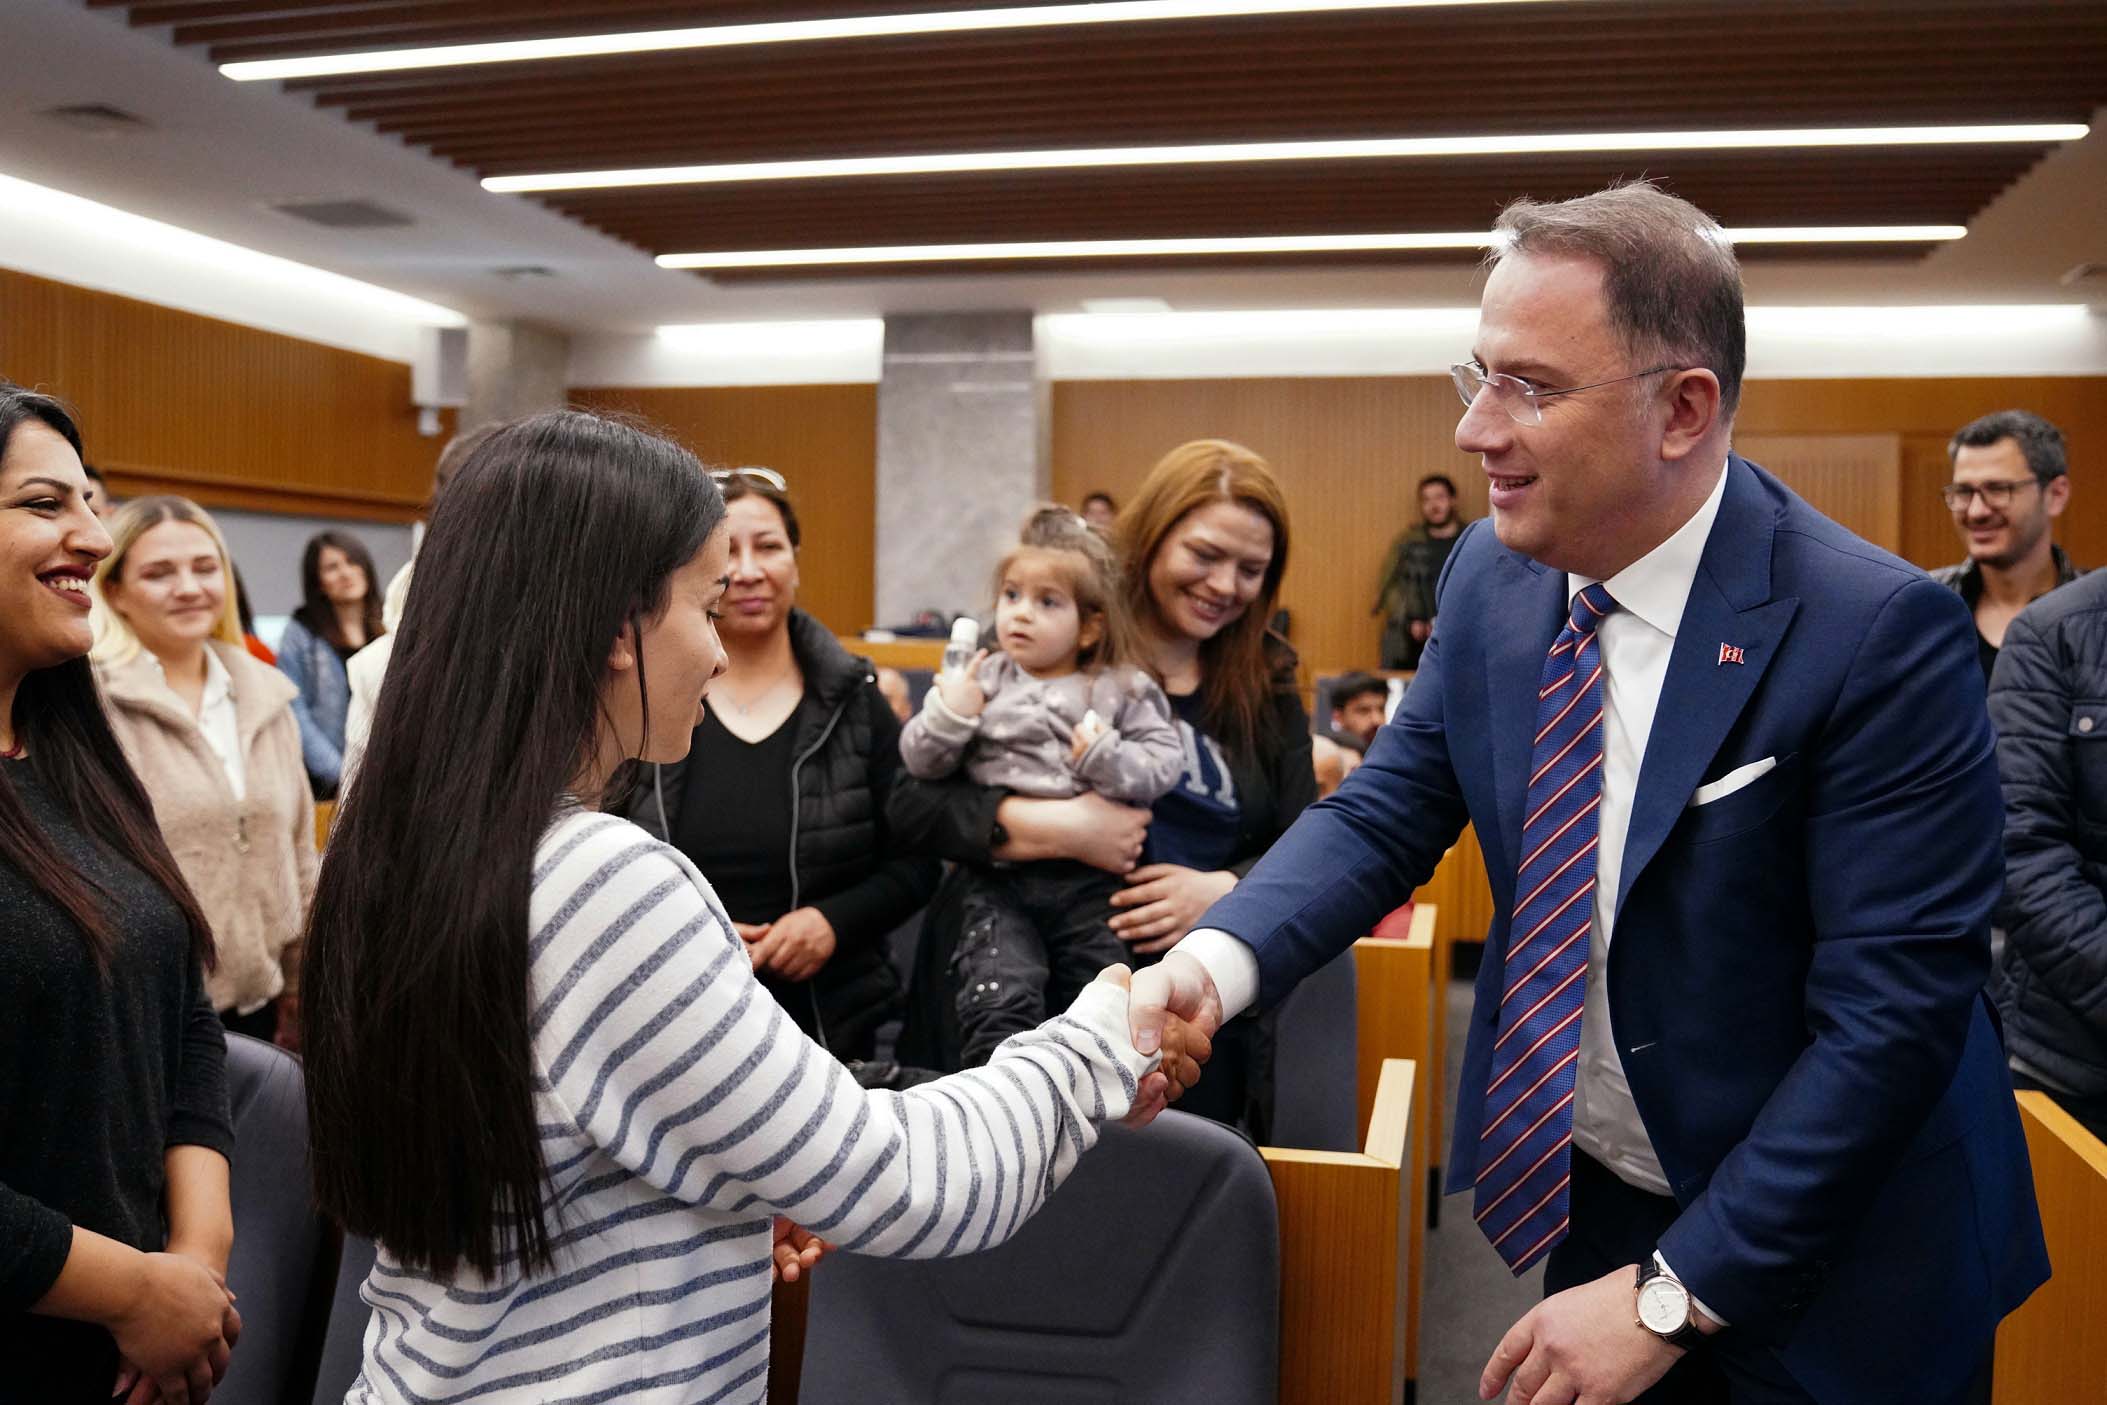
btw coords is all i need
(1347, 1274)
(2050, 1348)
(325, 816)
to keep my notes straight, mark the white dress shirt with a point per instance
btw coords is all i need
(216, 719)
(1636, 641)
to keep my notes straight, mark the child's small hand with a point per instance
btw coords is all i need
(1087, 732)
(961, 691)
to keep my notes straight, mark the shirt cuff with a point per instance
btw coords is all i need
(1662, 1264)
(1231, 964)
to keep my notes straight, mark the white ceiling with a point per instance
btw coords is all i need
(221, 153)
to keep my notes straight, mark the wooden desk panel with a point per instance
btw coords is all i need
(2053, 1350)
(1393, 981)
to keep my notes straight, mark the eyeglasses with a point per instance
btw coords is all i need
(759, 475)
(1996, 496)
(1522, 400)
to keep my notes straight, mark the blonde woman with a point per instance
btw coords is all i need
(212, 735)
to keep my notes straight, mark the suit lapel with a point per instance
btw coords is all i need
(1534, 610)
(1730, 604)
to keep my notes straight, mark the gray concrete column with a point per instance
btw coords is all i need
(514, 369)
(962, 456)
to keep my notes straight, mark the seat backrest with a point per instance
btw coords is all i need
(1316, 1092)
(344, 1348)
(1157, 1265)
(278, 1236)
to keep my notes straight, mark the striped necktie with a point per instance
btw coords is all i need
(1525, 1153)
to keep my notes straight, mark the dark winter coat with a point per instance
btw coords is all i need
(842, 857)
(2048, 701)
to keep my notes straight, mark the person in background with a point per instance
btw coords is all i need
(115, 1223)
(541, 1075)
(1411, 571)
(366, 669)
(258, 650)
(798, 730)
(1060, 710)
(211, 733)
(1100, 511)
(2050, 983)
(892, 684)
(1204, 542)
(339, 615)
(99, 499)
(2011, 481)
(1359, 703)
(1333, 763)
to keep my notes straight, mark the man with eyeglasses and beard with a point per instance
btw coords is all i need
(2010, 482)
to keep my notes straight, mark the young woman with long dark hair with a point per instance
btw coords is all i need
(338, 615)
(114, 1217)
(541, 1072)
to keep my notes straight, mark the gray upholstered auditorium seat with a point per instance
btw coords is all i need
(277, 1235)
(344, 1346)
(1155, 1266)
(1316, 1092)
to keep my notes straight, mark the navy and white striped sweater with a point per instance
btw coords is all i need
(679, 1108)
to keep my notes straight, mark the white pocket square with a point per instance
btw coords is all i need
(1732, 781)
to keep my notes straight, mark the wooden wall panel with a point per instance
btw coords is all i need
(171, 401)
(823, 439)
(1925, 412)
(1854, 479)
(1350, 451)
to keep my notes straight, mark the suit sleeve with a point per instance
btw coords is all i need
(1355, 855)
(1903, 866)
(2054, 913)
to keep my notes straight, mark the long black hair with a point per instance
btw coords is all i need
(316, 610)
(76, 758)
(557, 531)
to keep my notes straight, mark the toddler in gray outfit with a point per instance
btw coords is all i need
(1059, 711)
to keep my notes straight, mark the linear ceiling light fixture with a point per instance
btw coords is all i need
(1235, 153)
(721, 36)
(1285, 244)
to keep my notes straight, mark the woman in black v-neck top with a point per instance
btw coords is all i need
(114, 1217)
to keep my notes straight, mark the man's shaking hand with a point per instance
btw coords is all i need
(1173, 1006)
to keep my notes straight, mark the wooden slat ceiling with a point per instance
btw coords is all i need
(1588, 65)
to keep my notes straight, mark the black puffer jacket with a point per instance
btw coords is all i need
(2048, 701)
(842, 858)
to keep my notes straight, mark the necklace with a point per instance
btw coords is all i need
(746, 708)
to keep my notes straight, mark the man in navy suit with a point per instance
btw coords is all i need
(1731, 1074)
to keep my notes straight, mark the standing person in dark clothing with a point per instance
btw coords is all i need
(799, 731)
(114, 1218)
(2011, 481)
(1409, 573)
(2050, 982)
(1205, 542)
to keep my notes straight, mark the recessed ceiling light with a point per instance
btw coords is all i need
(1234, 153)
(807, 31)
(1282, 244)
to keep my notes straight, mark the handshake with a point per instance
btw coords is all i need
(1173, 1007)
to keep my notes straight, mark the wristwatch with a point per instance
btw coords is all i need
(1663, 1306)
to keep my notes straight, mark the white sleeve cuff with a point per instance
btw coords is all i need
(1662, 1265)
(1232, 966)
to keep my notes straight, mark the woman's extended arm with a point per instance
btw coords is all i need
(697, 1082)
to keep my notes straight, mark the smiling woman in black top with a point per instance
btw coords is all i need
(797, 731)
(114, 1217)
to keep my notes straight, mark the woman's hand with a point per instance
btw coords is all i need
(795, 945)
(961, 691)
(1088, 828)
(176, 1331)
(796, 1250)
(1162, 901)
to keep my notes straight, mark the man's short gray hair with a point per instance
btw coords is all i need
(1669, 273)
(2040, 441)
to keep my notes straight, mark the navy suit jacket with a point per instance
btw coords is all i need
(1795, 981)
